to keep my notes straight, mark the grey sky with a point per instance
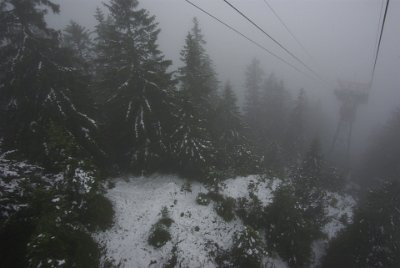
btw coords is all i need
(339, 34)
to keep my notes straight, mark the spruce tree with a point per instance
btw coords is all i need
(233, 148)
(288, 231)
(383, 157)
(134, 83)
(77, 38)
(295, 131)
(252, 107)
(308, 184)
(39, 84)
(274, 99)
(192, 148)
(229, 122)
(197, 76)
(372, 239)
(194, 137)
(274, 102)
(296, 217)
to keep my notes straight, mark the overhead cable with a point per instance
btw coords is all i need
(273, 39)
(380, 40)
(248, 39)
(287, 28)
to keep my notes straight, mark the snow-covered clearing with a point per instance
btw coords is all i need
(197, 231)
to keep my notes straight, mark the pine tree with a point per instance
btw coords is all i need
(135, 85)
(229, 122)
(383, 157)
(372, 240)
(308, 184)
(192, 147)
(39, 83)
(252, 107)
(193, 139)
(77, 38)
(232, 146)
(288, 231)
(295, 132)
(197, 76)
(274, 101)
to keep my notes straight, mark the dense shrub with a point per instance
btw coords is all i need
(247, 251)
(203, 199)
(159, 236)
(288, 231)
(251, 211)
(159, 233)
(63, 247)
(225, 208)
(98, 214)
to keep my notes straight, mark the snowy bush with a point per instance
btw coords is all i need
(46, 215)
(289, 231)
(159, 233)
(251, 211)
(203, 199)
(247, 250)
(225, 208)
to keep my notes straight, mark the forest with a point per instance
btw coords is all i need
(110, 156)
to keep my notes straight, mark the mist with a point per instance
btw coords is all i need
(271, 141)
(339, 35)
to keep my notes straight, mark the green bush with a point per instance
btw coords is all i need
(159, 233)
(159, 236)
(247, 250)
(203, 199)
(166, 221)
(63, 247)
(99, 213)
(251, 212)
(225, 208)
(215, 196)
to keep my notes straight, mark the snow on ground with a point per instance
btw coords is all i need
(138, 202)
(197, 231)
(240, 186)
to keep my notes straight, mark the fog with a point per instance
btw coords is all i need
(339, 35)
(272, 140)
